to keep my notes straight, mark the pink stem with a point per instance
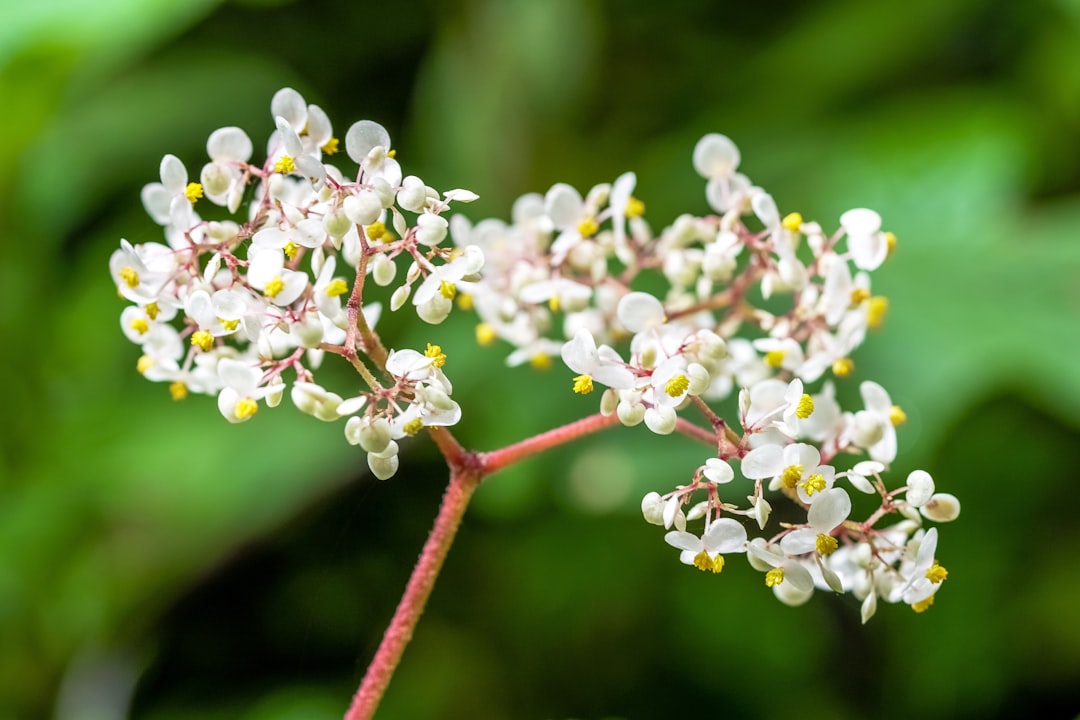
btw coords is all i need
(397, 635)
(492, 462)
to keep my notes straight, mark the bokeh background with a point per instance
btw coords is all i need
(157, 563)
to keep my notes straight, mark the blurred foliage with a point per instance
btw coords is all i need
(157, 563)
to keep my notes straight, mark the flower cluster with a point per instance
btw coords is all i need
(762, 308)
(228, 306)
(765, 303)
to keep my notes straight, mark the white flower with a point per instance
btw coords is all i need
(830, 509)
(868, 245)
(600, 364)
(238, 399)
(722, 537)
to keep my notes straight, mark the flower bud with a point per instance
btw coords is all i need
(363, 208)
(920, 488)
(941, 507)
(383, 270)
(412, 195)
(399, 297)
(430, 229)
(652, 508)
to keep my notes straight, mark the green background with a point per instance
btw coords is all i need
(158, 563)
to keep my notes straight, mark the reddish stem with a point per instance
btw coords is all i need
(492, 462)
(411, 606)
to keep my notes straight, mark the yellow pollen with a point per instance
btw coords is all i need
(703, 562)
(792, 222)
(485, 334)
(805, 407)
(583, 384)
(791, 476)
(391, 153)
(540, 361)
(413, 426)
(936, 574)
(275, 286)
(152, 310)
(897, 416)
(178, 390)
(774, 577)
(285, 165)
(337, 287)
(774, 358)
(922, 605)
(202, 339)
(229, 325)
(826, 544)
(377, 232)
(140, 326)
(890, 242)
(465, 301)
(875, 311)
(634, 208)
(438, 358)
(814, 483)
(447, 289)
(858, 295)
(193, 192)
(145, 363)
(677, 385)
(554, 303)
(587, 227)
(843, 367)
(129, 276)
(290, 249)
(331, 146)
(245, 408)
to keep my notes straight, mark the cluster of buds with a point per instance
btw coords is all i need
(227, 306)
(769, 311)
(756, 305)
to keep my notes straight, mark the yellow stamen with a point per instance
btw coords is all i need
(814, 483)
(634, 208)
(540, 361)
(774, 358)
(152, 310)
(587, 227)
(875, 311)
(936, 574)
(391, 153)
(178, 390)
(337, 287)
(145, 363)
(791, 476)
(140, 326)
(290, 249)
(193, 192)
(229, 325)
(792, 222)
(275, 286)
(703, 562)
(554, 303)
(897, 416)
(890, 242)
(677, 385)
(774, 577)
(438, 357)
(465, 301)
(447, 289)
(923, 605)
(245, 408)
(805, 408)
(331, 146)
(413, 426)
(858, 295)
(377, 232)
(129, 276)
(485, 334)
(826, 544)
(202, 339)
(583, 384)
(285, 165)
(843, 367)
